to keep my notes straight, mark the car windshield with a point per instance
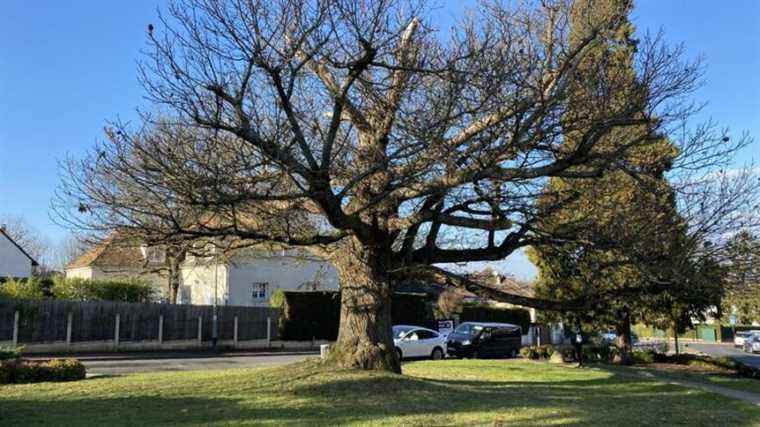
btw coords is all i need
(468, 329)
(742, 334)
(400, 331)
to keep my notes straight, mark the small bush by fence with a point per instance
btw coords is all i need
(77, 289)
(54, 321)
(21, 371)
(308, 315)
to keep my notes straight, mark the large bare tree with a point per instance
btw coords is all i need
(357, 129)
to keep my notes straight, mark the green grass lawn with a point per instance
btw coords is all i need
(745, 384)
(720, 379)
(451, 392)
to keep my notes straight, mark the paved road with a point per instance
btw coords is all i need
(117, 364)
(727, 350)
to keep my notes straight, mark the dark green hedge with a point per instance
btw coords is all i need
(307, 315)
(517, 316)
(21, 371)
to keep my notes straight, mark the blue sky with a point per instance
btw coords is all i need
(67, 67)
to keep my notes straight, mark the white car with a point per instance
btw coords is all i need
(740, 337)
(416, 341)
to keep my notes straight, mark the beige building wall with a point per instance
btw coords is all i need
(201, 282)
(79, 273)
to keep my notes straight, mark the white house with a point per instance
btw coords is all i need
(248, 277)
(251, 276)
(14, 260)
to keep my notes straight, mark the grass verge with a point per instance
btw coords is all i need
(723, 378)
(451, 392)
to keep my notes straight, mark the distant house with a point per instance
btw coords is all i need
(14, 260)
(116, 260)
(246, 277)
(495, 280)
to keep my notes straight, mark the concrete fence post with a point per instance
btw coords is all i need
(69, 321)
(160, 328)
(200, 330)
(15, 327)
(235, 332)
(116, 332)
(269, 331)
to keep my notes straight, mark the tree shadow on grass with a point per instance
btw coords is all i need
(598, 401)
(151, 411)
(135, 411)
(341, 397)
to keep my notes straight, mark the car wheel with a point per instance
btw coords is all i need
(398, 353)
(437, 354)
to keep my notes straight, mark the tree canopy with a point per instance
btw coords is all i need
(357, 129)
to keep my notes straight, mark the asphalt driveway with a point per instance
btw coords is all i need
(729, 350)
(127, 363)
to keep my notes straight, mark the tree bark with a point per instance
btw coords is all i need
(624, 344)
(675, 338)
(173, 279)
(365, 339)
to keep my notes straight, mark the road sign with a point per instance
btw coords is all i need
(445, 327)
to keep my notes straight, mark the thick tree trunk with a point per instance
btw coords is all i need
(624, 344)
(364, 340)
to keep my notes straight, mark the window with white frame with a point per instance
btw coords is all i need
(259, 291)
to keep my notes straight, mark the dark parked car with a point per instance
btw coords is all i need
(478, 339)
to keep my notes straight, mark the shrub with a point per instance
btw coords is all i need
(567, 352)
(307, 315)
(6, 372)
(537, 352)
(529, 352)
(31, 372)
(22, 289)
(643, 357)
(10, 352)
(544, 351)
(277, 300)
(597, 353)
(557, 357)
(28, 372)
(65, 370)
(130, 290)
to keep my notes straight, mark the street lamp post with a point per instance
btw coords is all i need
(214, 318)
